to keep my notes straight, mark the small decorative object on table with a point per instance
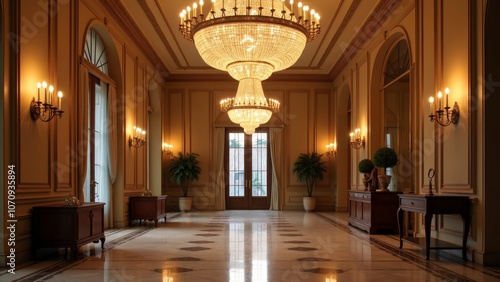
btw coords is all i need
(71, 200)
(430, 174)
(366, 166)
(147, 193)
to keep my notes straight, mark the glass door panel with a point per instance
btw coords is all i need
(248, 166)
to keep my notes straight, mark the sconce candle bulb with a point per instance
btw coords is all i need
(357, 141)
(331, 149)
(45, 110)
(138, 139)
(444, 116)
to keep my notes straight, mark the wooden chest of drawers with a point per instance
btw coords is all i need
(148, 208)
(67, 226)
(374, 212)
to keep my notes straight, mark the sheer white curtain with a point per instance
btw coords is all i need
(276, 147)
(102, 155)
(219, 177)
(82, 130)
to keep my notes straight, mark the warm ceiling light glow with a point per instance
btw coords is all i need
(250, 40)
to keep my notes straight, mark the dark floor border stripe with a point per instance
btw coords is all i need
(420, 262)
(62, 266)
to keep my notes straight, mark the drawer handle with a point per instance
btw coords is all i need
(411, 203)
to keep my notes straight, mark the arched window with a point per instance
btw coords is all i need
(98, 183)
(396, 96)
(95, 52)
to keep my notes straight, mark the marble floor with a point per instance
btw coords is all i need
(251, 246)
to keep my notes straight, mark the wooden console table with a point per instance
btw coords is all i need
(373, 211)
(430, 205)
(67, 226)
(148, 208)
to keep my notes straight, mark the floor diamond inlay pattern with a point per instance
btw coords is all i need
(302, 249)
(185, 259)
(194, 249)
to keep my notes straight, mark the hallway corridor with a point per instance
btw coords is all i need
(250, 246)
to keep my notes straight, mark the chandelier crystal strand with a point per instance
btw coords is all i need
(250, 39)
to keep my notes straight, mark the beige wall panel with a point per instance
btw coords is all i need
(140, 97)
(298, 126)
(175, 113)
(201, 129)
(65, 170)
(428, 151)
(204, 197)
(323, 126)
(34, 63)
(131, 121)
(456, 146)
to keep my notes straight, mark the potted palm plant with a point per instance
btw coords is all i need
(385, 157)
(183, 169)
(308, 168)
(366, 166)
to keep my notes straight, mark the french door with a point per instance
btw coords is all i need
(248, 167)
(97, 179)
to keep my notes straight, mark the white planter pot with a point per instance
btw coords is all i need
(309, 203)
(185, 203)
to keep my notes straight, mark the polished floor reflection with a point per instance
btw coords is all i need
(242, 246)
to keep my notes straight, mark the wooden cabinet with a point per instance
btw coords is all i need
(59, 226)
(374, 212)
(430, 205)
(148, 208)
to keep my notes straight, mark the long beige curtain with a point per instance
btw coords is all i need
(218, 175)
(82, 129)
(112, 133)
(276, 146)
(112, 148)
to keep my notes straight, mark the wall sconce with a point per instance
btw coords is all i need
(331, 149)
(444, 116)
(139, 138)
(45, 111)
(357, 141)
(167, 149)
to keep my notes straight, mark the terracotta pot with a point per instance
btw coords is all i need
(383, 181)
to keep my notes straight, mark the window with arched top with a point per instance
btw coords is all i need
(95, 52)
(396, 95)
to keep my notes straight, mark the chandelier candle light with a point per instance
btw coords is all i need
(250, 40)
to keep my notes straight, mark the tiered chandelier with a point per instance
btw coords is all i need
(250, 39)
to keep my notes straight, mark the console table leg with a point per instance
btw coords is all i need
(466, 221)
(428, 221)
(400, 226)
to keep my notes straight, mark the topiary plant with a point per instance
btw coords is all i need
(365, 166)
(385, 157)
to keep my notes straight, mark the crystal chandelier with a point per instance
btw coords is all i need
(250, 39)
